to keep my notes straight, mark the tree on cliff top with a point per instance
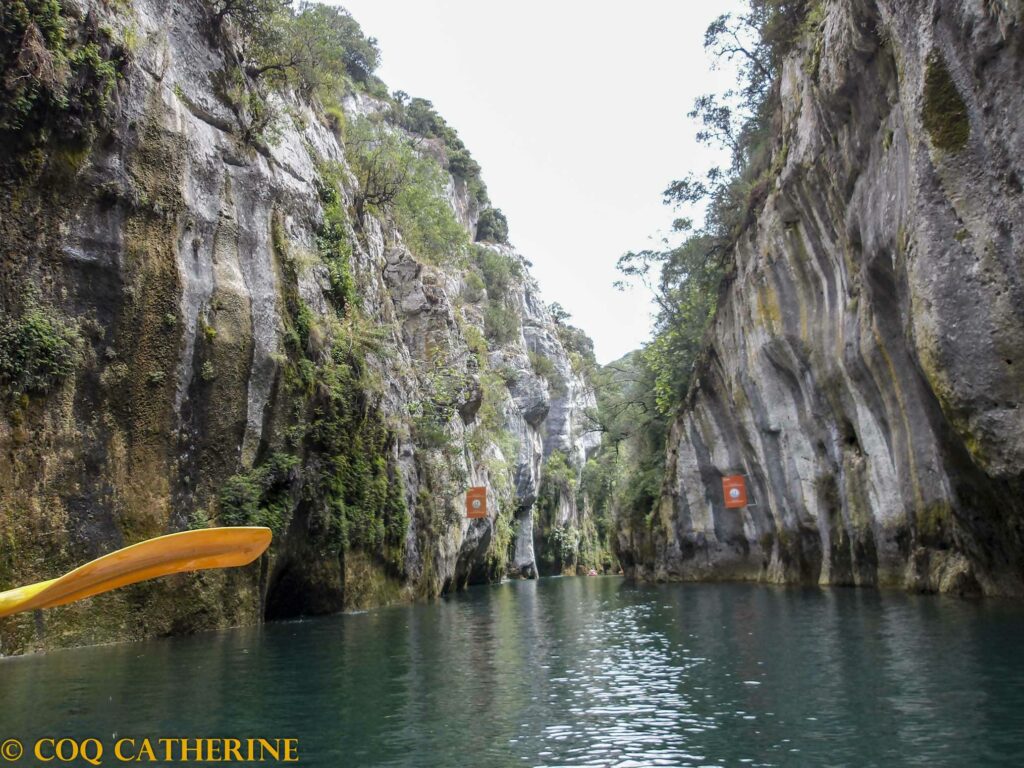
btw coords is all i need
(395, 176)
(685, 278)
(310, 46)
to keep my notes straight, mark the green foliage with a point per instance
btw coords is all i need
(558, 480)
(199, 519)
(332, 239)
(353, 474)
(687, 296)
(462, 164)
(331, 44)
(260, 122)
(418, 116)
(446, 386)
(52, 80)
(347, 479)
(336, 120)
(474, 287)
(501, 324)
(249, 17)
(545, 368)
(559, 472)
(347, 475)
(382, 162)
(575, 341)
(492, 226)
(625, 475)
(944, 113)
(597, 485)
(685, 278)
(425, 217)
(316, 48)
(394, 177)
(500, 272)
(502, 543)
(260, 496)
(564, 544)
(430, 425)
(37, 350)
(490, 421)
(542, 365)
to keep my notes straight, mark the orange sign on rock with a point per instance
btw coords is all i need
(734, 489)
(476, 502)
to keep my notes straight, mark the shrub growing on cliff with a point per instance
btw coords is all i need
(316, 49)
(313, 47)
(395, 178)
(261, 495)
(474, 287)
(543, 367)
(499, 271)
(37, 350)
(249, 16)
(575, 341)
(687, 292)
(419, 116)
(492, 226)
(332, 239)
(501, 324)
(425, 217)
(382, 162)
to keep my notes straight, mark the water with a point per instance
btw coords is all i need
(574, 671)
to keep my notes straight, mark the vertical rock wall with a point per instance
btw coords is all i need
(864, 370)
(186, 261)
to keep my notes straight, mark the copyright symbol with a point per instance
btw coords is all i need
(11, 750)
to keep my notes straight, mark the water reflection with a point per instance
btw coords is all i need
(571, 672)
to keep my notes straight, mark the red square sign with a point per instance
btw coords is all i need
(476, 502)
(734, 489)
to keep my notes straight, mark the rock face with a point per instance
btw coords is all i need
(866, 367)
(215, 369)
(563, 532)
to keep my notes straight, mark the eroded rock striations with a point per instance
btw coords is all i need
(184, 346)
(866, 366)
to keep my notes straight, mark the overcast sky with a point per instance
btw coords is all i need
(577, 113)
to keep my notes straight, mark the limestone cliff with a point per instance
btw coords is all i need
(865, 369)
(201, 324)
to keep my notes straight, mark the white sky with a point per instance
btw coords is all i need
(577, 113)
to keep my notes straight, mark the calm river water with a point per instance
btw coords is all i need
(571, 671)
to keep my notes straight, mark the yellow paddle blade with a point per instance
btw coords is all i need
(187, 551)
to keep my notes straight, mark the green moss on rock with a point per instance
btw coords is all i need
(944, 112)
(57, 76)
(933, 523)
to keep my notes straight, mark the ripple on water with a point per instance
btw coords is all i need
(573, 672)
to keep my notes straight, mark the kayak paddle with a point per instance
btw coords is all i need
(175, 553)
